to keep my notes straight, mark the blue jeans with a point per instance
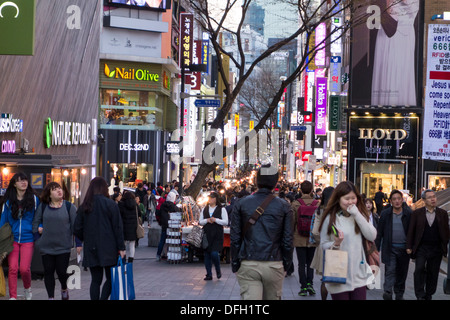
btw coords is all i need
(162, 241)
(210, 258)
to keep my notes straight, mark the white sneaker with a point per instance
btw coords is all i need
(28, 294)
(12, 299)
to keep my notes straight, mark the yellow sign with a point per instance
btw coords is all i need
(252, 125)
(236, 121)
(131, 74)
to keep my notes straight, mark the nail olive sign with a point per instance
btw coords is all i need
(17, 20)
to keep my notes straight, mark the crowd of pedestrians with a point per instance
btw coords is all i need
(269, 221)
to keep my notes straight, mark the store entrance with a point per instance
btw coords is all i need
(389, 176)
(131, 174)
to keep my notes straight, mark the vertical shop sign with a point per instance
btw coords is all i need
(194, 79)
(335, 36)
(334, 113)
(186, 39)
(17, 19)
(321, 106)
(205, 51)
(436, 132)
(321, 34)
(335, 70)
(309, 95)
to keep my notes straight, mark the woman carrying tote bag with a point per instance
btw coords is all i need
(347, 213)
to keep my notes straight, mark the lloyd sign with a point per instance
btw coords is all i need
(380, 134)
(62, 133)
(17, 27)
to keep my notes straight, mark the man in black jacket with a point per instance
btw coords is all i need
(263, 254)
(391, 237)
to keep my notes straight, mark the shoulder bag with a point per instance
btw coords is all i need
(140, 232)
(251, 221)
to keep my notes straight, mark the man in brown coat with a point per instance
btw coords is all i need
(305, 250)
(427, 241)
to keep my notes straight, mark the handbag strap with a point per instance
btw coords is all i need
(258, 213)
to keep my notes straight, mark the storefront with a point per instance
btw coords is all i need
(136, 118)
(436, 174)
(63, 140)
(132, 156)
(383, 152)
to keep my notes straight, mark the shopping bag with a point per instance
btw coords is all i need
(122, 283)
(195, 237)
(2, 282)
(335, 266)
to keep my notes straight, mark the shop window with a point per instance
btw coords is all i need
(389, 176)
(131, 173)
(124, 109)
(438, 182)
(69, 180)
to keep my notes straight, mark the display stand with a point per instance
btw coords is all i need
(174, 251)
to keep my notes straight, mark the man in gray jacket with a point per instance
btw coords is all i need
(261, 253)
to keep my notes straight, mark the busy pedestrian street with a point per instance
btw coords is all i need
(161, 280)
(204, 155)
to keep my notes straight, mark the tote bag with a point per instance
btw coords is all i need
(335, 266)
(122, 281)
(195, 237)
(2, 282)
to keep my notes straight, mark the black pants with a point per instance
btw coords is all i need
(96, 282)
(428, 262)
(396, 271)
(305, 256)
(58, 263)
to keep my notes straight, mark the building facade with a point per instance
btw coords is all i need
(137, 113)
(49, 98)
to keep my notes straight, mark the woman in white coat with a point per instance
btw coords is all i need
(347, 212)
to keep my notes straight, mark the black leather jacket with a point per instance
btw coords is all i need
(270, 239)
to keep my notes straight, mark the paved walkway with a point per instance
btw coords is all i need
(164, 281)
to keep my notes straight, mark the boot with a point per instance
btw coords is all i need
(130, 260)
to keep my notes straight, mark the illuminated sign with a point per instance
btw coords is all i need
(62, 133)
(380, 134)
(172, 147)
(321, 106)
(186, 39)
(9, 146)
(8, 124)
(134, 147)
(321, 34)
(131, 74)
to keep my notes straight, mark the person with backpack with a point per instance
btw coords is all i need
(305, 209)
(54, 221)
(18, 209)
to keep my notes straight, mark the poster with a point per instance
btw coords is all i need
(386, 54)
(436, 132)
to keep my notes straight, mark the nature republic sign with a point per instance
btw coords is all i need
(17, 18)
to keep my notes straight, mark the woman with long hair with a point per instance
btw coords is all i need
(347, 212)
(18, 209)
(99, 225)
(214, 217)
(317, 261)
(54, 221)
(129, 213)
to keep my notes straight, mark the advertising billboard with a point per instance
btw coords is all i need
(140, 4)
(436, 131)
(386, 59)
(17, 19)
